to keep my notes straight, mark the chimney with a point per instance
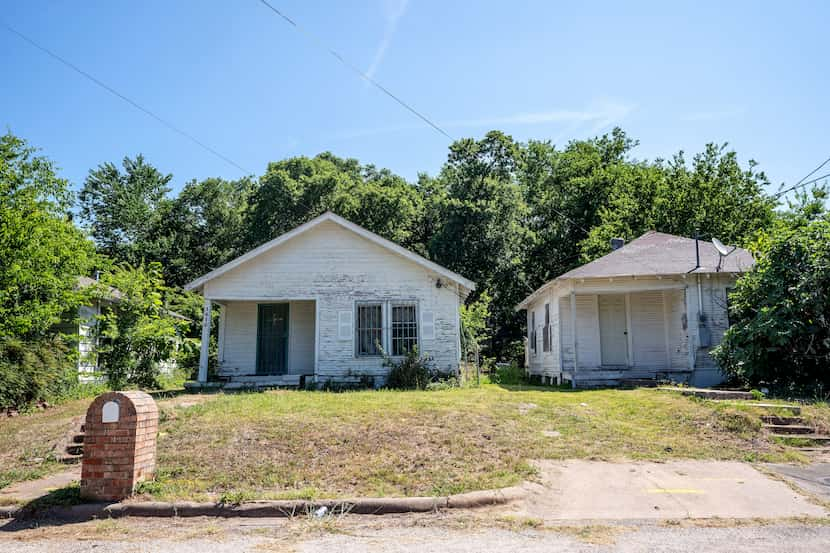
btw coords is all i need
(617, 243)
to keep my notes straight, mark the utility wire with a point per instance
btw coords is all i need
(804, 183)
(114, 92)
(319, 42)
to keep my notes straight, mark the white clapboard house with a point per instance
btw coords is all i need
(322, 301)
(651, 309)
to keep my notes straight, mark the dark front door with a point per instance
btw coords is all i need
(272, 338)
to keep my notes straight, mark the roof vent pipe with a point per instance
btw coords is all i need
(617, 243)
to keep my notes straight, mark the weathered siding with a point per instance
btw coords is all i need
(337, 268)
(545, 363)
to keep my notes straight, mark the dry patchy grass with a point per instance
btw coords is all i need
(315, 444)
(289, 444)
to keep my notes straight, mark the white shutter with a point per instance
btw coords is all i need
(344, 325)
(427, 325)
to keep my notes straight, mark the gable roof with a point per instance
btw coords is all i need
(357, 229)
(657, 253)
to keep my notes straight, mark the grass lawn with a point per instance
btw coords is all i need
(291, 444)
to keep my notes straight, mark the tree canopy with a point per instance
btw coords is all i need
(42, 253)
(506, 214)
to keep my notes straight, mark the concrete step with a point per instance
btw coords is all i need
(789, 428)
(775, 419)
(78, 438)
(794, 409)
(68, 459)
(802, 440)
(75, 449)
(254, 382)
(707, 393)
(638, 382)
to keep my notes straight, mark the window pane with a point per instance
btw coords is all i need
(369, 329)
(404, 328)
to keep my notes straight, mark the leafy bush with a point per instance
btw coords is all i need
(780, 310)
(35, 371)
(510, 375)
(413, 372)
(138, 331)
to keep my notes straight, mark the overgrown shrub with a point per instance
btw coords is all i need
(35, 371)
(138, 332)
(780, 310)
(413, 372)
(508, 374)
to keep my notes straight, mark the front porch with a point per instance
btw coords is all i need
(633, 332)
(262, 342)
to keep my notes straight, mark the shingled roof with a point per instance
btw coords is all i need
(657, 253)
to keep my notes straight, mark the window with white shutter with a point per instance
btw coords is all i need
(427, 325)
(344, 325)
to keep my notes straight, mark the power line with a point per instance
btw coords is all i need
(805, 177)
(800, 184)
(319, 42)
(114, 92)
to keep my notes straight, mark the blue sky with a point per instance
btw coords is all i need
(237, 77)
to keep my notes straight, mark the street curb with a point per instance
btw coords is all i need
(263, 509)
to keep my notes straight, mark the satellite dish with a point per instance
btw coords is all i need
(722, 250)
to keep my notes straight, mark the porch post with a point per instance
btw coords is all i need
(204, 352)
(574, 339)
(629, 334)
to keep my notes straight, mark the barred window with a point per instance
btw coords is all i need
(369, 329)
(404, 328)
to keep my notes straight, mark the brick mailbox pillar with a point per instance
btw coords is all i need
(119, 445)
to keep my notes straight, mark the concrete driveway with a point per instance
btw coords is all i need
(582, 490)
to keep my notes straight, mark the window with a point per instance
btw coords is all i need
(369, 329)
(532, 331)
(386, 325)
(404, 328)
(546, 329)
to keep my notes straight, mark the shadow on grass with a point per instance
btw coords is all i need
(53, 509)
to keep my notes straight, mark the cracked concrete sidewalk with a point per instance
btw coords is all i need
(593, 490)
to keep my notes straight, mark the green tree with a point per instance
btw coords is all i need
(715, 196)
(482, 233)
(295, 190)
(123, 208)
(137, 330)
(41, 257)
(202, 228)
(780, 310)
(42, 252)
(566, 191)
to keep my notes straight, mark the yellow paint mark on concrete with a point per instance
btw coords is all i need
(675, 490)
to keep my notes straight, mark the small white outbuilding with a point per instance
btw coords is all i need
(323, 301)
(650, 309)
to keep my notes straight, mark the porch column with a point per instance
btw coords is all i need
(574, 339)
(203, 354)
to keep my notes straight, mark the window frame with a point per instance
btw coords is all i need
(546, 341)
(357, 328)
(416, 323)
(533, 347)
(386, 326)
